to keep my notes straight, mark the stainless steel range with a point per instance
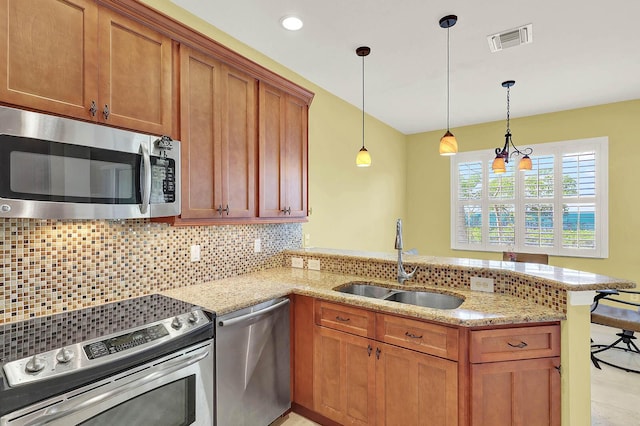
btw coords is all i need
(143, 361)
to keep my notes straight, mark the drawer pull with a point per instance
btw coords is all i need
(339, 318)
(413, 336)
(519, 345)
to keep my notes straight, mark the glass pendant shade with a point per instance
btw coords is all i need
(525, 163)
(448, 144)
(499, 166)
(363, 159)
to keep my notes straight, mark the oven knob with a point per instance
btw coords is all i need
(176, 323)
(35, 364)
(64, 356)
(193, 317)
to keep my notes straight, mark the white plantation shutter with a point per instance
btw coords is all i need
(560, 207)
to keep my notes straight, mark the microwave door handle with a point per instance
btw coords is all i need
(146, 179)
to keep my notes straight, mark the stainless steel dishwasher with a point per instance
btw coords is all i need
(252, 364)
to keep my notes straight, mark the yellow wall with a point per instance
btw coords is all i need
(352, 208)
(428, 217)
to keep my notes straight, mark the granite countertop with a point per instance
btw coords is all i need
(556, 277)
(478, 309)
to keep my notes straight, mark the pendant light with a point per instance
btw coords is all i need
(448, 142)
(363, 159)
(502, 155)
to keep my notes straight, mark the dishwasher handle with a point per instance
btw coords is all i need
(242, 318)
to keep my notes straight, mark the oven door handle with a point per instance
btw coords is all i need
(160, 370)
(146, 179)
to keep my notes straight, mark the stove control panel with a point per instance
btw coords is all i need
(98, 351)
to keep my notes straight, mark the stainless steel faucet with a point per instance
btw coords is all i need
(402, 274)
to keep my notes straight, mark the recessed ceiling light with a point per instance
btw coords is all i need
(291, 23)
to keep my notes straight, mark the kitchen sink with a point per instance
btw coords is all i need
(427, 299)
(367, 290)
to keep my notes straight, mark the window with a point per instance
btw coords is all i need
(560, 207)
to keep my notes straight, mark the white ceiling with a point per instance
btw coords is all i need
(584, 52)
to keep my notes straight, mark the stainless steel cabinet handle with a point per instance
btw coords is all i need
(106, 112)
(242, 318)
(226, 210)
(339, 318)
(369, 349)
(93, 108)
(519, 345)
(413, 336)
(286, 211)
(378, 352)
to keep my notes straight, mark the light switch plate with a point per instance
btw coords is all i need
(482, 284)
(257, 245)
(313, 264)
(297, 262)
(195, 253)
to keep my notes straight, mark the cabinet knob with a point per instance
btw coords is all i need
(106, 112)
(93, 109)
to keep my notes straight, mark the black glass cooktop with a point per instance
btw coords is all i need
(37, 335)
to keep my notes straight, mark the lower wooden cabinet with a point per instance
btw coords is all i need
(359, 381)
(344, 377)
(413, 388)
(373, 368)
(525, 392)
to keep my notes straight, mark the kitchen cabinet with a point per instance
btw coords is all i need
(218, 134)
(282, 154)
(372, 367)
(515, 376)
(360, 380)
(83, 60)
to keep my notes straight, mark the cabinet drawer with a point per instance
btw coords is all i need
(514, 343)
(345, 318)
(420, 336)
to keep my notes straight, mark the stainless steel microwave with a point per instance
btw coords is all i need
(57, 168)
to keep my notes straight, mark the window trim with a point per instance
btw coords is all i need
(599, 145)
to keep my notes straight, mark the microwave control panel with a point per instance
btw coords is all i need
(163, 180)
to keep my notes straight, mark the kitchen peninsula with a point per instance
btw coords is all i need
(540, 304)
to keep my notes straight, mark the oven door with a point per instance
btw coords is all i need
(176, 390)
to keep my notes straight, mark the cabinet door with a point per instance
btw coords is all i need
(238, 144)
(413, 388)
(295, 156)
(199, 131)
(48, 56)
(282, 154)
(344, 377)
(518, 393)
(134, 75)
(271, 146)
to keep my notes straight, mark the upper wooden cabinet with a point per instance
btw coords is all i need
(79, 59)
(218, 134)
(282, 154)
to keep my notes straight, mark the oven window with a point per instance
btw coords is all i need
(173, 404)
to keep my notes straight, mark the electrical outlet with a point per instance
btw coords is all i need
(195, 253)
(257, 245)
(297, 262)
(482, 284)
(307, 240)
(313, 264)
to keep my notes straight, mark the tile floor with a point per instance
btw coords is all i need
(615, 394)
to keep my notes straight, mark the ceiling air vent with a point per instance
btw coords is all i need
(511, 38)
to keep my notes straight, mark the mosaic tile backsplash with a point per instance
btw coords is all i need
(51, 266)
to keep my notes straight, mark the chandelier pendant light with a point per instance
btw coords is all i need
(363, 159)
(502, 154)
(448, 142)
